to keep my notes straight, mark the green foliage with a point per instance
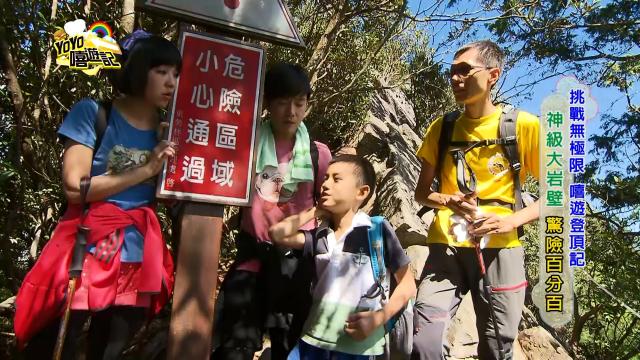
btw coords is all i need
(531, 243)
(361, 48)
(611, 332)
(428, 90)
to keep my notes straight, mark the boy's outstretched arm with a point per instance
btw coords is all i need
(286, 234)
(405, 290)
(362, 324)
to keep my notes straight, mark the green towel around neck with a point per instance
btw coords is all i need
(300, 166)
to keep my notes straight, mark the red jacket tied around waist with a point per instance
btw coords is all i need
(42, 296)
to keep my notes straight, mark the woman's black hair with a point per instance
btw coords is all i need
(144, 55)
(284, 80)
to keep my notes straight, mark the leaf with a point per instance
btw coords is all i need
(6, 176)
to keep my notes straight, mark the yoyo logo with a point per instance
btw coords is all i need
(87, 50)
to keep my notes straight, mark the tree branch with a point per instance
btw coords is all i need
(9, 70)
(373, 54)
(580, 322)
(631, 353)
(635, 57)
(322, 48)
(626, 334)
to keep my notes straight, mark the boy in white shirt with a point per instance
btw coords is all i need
(343, 323)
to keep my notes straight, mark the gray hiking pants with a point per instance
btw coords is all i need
(449, 273)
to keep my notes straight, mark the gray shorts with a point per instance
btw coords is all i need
(449, 273)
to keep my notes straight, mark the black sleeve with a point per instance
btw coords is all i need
(394, 255)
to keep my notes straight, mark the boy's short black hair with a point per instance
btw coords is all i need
(145, 54)
(285, 80)
(363, 169)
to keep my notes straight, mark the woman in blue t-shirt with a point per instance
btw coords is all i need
(128, 273)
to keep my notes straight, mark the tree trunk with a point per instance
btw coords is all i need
(579, 325)
(17, 99)
(47, 66)
(323, 47)
(33, 250)
(47, 63)
(127, 20)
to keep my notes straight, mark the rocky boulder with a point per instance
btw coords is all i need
(389, 142)
(537, 344)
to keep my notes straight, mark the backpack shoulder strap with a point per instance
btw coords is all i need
(376, 248)
(446, 133)
(317, 235)
(101, 123)
(507, 128)
(315, 157)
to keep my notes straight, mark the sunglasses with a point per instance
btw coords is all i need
(463, 69)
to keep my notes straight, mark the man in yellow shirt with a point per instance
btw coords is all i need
(487, 209)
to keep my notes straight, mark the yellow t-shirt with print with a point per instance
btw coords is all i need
(490, 165)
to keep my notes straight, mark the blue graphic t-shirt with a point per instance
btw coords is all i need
(123, 147)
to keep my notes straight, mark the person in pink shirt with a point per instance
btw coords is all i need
(267, 287)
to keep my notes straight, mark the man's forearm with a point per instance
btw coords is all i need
(433, 199)
(527, 214)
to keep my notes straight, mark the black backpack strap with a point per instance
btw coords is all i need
(318, 234)
(508, 121)
(101, 123)
(446, 133)
(315, 157)
(100, 126)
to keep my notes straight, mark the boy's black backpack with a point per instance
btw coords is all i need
(508, 140)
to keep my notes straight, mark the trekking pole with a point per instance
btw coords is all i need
(75, 269)
(488, 292)
(462, 167)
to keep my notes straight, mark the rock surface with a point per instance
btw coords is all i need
(389, 142)
(538, 344)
